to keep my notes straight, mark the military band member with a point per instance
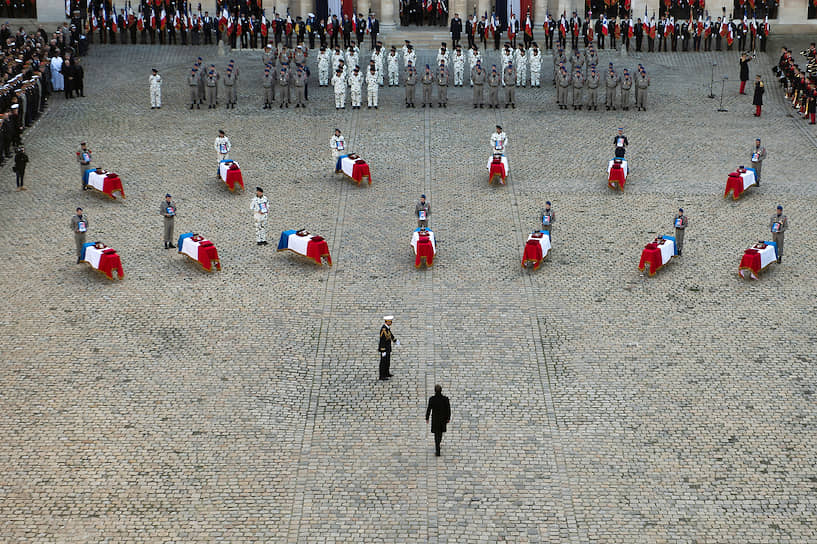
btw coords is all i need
(592, 89)
(535, 63)
(386, 339)
(168, 210)
(260, 210)
(442, 84)
(626, 85)
(411, 83)
(79, 226)
(84, 160)
(338, 145)
(758, 154)
(509, 81)
(548, 218)
(578, 84)
(478, 81)
(423, 212)
(680, 223)
(493, 87)
(427, 80)
(778, 225)
(339, 86)
(499, 141)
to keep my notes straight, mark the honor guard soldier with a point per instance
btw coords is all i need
(680, 223)
(212, 87)
(758, 154)
(260, 210)
(478, 78)
(423, 211)
(411, 83)
(535, 64)
(386, 339)
(621, 143)
(548, 218)
(155, 81)
(222, 146)
(563, 83)
(459, 66)
(338, 145)
(520, 60)
(84, 160)
(300, 87)
(578, 84)
(509, 79)
(442, 84)
(592, 89)
(168, 210)
(283, 83)
(324, 60)
(269, 89)
(427, 81)
(493, 88)
(778, 225)
(499, 141)
(611, 84)
(79, 226)
(626, 85)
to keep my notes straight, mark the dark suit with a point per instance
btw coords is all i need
(456, 32)
(440, 410)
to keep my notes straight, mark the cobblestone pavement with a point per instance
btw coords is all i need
(590, 403)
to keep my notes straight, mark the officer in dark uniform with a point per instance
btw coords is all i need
(386, 338)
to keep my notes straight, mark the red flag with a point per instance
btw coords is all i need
(528, 26)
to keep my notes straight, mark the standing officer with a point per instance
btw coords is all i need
(411, 83)
(758, 154)
(626, 85)
(338, 145)
(260, 210)
(79, 225)
(439, 408)
(386, 338)
(509, 79)
(427, 80)
(442, 84)
(493, 88)
(84, 160)
(168, 210)
(548, 218)
(611, 84)
(778, 226)
(423, 211)
(680, 226)
(592, 89)
(478, 79)
(339, 86)
(456, 30)
(155, 81)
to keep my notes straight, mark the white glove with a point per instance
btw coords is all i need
(397, 342)
(383, 354)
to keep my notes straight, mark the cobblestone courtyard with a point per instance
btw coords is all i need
(591, 404)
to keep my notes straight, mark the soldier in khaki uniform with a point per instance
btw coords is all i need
(778, 225)
(562, 84)
(478, 80)
(680, 223)
(193, 85)
(509, 79)
(611, 84)
(626, 85)
(269, 89)
(167, 209)
(299, 83)
(578, 85)
(212, 87)
(493, 88)
(442, 84)
(427, 81)
(423, 211)
(411, 84)
(592, 89)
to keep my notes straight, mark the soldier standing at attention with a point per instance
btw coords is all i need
(611, 84)
(478, 80)
(283, 83)
(626, 85)
(269, 90)
(300, 87)
(509, 78)
(323, 67)
(372, 88)
(680, 226)
(222, 146)
(442, 84)
(84, 160)
(535, 63)
(563, 82)
(193, 85)
(260, 211)
(155, 81)
(778, 225)
(427, 80)
(386, 338)
(493, 88)
(79, 225)
(592, 89)
(411, 83)
(356, 87)
(168, 210)
(339, 86)
(423, 211)
(229, 87)
(212, 88)
(641, 84)
(578, 84)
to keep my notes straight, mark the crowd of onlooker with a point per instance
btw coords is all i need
(800, 85)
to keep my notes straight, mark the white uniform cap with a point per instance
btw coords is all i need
(388, 318)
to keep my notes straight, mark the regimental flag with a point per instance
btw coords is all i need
(753, 27)
(289, 25)
(766, 27)
(114, 26)
(653, 29)
(94, 25)
(252, 26)
(224, 19)
(724, 29)
(563, 25)
(238, 27)
(177, 20)
(441, 7)
(153, 18)
(511, 30)
(707, 27)
(546, 26)
(528, 25)
(730, 37)
(264, 29)
(604, 28)
(131, 16)
(163, 19)
(230, 26)
(330, 28)
(700, 25)
(494, 24)
(140, 22)
(670, 28)
(630, 29)
(627, 6)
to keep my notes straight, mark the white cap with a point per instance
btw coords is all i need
(388, 318)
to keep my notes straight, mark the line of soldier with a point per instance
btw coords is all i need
(800, 85)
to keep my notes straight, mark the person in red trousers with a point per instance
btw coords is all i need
(757, 101)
